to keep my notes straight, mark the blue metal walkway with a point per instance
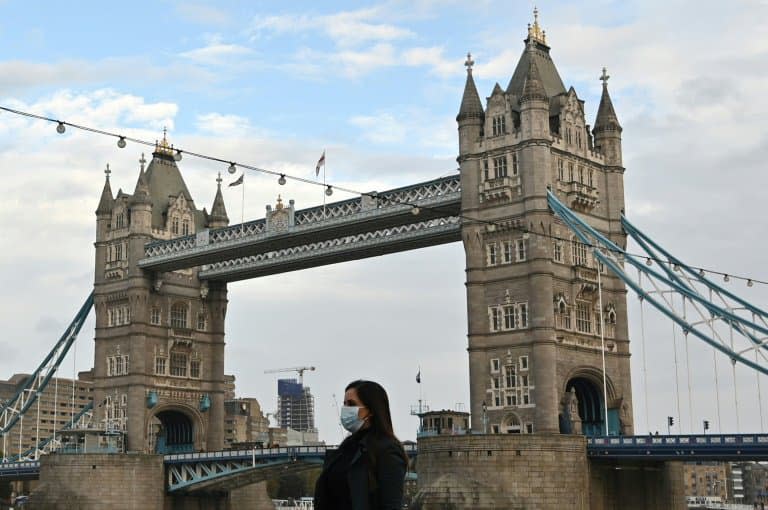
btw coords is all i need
(715, 447)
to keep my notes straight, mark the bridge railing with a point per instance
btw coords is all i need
(726, 440)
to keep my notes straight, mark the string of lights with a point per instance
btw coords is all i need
(61, 128)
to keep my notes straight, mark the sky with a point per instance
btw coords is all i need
(377, 85)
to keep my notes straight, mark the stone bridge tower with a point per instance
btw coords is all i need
(535, 349)
(159, 354)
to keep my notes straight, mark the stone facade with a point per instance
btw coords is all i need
(513, 472)
(536, 298)
(159, 353)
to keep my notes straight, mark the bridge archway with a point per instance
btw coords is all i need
(587, 383)
(511, 424)
(174, 430)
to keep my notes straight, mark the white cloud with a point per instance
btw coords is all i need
(433, 59)
(217, 53)
(203, 14)
(381, 128)
(223, 125)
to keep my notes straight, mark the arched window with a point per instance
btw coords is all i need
(175, 225)
(120, 220)
(179, 315)
(185, 227)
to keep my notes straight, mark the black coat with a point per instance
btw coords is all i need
(387, 476)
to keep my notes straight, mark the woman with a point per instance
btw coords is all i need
(367, 472)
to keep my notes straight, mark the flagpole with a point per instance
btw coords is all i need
(325, 164)
(420, 394)
(242, 208)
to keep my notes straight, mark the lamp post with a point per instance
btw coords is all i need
(485, 418)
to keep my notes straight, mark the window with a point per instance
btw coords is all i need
(110, 366)
(495, 428)
(529, 428)
(522, 319)
(570, 171)
(557, 251)
(579, 250)
(526, 397)
(578, 137)
(118, 365)
(120, 220)
(583, 317)
(560, 170)
(494, 365)
(500, 167)
(123, 400)
(202, 321)
(485, 170)
(507, 252)
(499, 125)
(154, 316)
(160, 365)
(185, 227)
(194, 369)
(523, 362)
(492, 255)
(175, 225)
(509, 377)
(178, 364)
(520, 250)
(581, 174)
(496, 383)
(524, 381)
(119, 251)
(497, 403)
(509, 400)
(590, 177)
(179, 316)
(495, 318)
(515, 166)
(509, 317)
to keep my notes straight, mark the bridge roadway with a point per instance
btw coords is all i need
(230, 469)
(424, 214)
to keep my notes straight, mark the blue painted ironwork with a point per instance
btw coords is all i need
(51, 443)
(613, 256)
(17, 406)
(684, 447)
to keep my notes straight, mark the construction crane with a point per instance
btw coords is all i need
(300, 370)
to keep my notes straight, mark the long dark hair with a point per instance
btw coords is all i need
(373, 396)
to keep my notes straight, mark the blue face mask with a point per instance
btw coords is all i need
(349, 419)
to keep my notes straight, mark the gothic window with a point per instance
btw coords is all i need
(175, 225)
(119, 251)
(560, 169)
(526, 397)
(507, 252)
(590, 180)
(520, 250)
(515, 166)
(160, 365)
(583, 317)
(202, 321)
(155, 316)
(499, 125)
(120, 220)
(123, 400)
(178, 364)
(194, 369)
(523, 362)
(570, 171)
(495, 365)
(524, 381)
(499, 167)
(581, 174)
(110, 366)
(497, 403)
(578, 138)
(179, 315)
(185, 227)
(509, 400)
(492, 255)
(557, 251)
(495, 318)
(522, 315)
(486, 174)
(509, 317)
(496, 383)
(579, 250)
(510, 377)
(119, 365)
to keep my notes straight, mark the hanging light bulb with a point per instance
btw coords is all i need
(415, 210)
(749, 283)
(281, 180)
(177, 156)
(648, 262)
(677, 268)
(329, 190)
(121, 142)
(232, 168)
(60, 128)
(726, 279)
(701, 273)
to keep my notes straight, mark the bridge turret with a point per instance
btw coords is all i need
(534, 103)
(141, 204)
(607, 129)
(471, 114)
(104, 209)
(218, 217)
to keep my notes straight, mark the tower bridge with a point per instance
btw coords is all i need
(538, 205)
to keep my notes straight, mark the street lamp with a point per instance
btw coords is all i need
(485, 418)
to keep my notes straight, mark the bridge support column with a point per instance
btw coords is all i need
(636, 485)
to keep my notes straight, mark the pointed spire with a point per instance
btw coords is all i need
(141, 193)
(497, 90)
(106, 201)
(218, 211)
(533, 88)
(471, 107)
(606, 116)
(535, 32)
